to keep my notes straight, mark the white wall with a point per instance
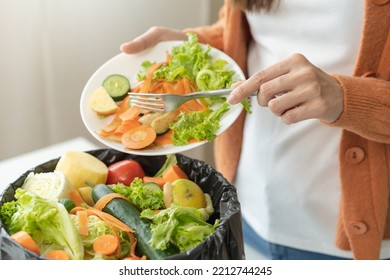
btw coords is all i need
(49, 49)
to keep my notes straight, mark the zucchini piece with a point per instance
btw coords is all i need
(69, 205)
(161, 123)
(117, 86)
(148, 118)
(130, 215)
(152, 186)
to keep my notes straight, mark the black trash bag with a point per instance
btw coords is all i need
(225, 244)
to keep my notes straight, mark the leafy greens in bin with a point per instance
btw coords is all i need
(47, 221)
(182, 226)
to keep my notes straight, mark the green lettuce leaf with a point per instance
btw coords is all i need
(48, 223)
(181, 227)
(190, 60)
(200, 125)
(7, 210)
(143, 196)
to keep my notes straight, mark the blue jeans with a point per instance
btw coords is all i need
(278, 252)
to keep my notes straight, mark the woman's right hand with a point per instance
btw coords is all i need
(150, 38)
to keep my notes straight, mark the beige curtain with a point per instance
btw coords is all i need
(50, 48)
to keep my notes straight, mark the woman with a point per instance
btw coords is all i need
(312, 162)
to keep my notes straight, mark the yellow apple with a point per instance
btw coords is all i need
(188, 194)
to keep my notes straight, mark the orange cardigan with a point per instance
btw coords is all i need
(364, 157)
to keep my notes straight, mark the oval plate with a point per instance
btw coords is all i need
(129, 65)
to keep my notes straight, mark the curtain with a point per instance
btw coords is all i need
(50, 48)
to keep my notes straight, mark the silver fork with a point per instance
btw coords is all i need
(166, 102)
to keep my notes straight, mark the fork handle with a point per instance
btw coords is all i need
(218, 92)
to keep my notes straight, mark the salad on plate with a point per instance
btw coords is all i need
(188, 67)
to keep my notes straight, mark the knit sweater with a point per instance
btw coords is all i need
(364, 157)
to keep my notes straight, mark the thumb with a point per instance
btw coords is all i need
(150, 38)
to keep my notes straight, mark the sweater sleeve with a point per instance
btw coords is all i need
(366, 107)
(211, 34)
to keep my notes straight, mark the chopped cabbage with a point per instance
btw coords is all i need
(50, 185)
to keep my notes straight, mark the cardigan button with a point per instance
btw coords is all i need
(357, 228)
(380, 2)
(354, 155)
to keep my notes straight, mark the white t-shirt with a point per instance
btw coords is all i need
(288, 176)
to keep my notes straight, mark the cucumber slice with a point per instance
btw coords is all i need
(117, 86)
(69, 204)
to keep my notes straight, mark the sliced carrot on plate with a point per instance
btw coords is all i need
(130, 114)
(139, 137)
(116, 121)
(126, 126)
(192, 106)
(164, 139)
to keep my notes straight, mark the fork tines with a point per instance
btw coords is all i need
(148, 101)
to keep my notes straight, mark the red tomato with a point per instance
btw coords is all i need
(124, 172)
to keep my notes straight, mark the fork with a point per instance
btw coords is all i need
(166, 102)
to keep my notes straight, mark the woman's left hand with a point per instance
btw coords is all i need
(295, 90)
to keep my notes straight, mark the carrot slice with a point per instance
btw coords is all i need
(57, 255)
(157, 180)
(123, 105)
(173, 173)
(164, 139)
(83, 222)
(111, 220)
(75, 196)
(148, 77)
(179, 87)
(24, 239)
(139, 137)
(105, 244)
(116, 137)
(187, 85)
(192, 105)
(126, 126)
(103, 201)
(130, 114)
(168, 88)
(116, 121)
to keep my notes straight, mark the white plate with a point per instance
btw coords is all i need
(129, 65)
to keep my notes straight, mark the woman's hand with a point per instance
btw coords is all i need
(295, 90)
(150, 38)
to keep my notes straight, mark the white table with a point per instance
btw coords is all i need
(11, 169)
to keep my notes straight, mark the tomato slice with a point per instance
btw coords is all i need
(124, 172)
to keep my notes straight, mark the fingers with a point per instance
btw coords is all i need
(150, 38)
(260, 81)
(300, 113)
(296, 93)
(295, 106)
(294, 90)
